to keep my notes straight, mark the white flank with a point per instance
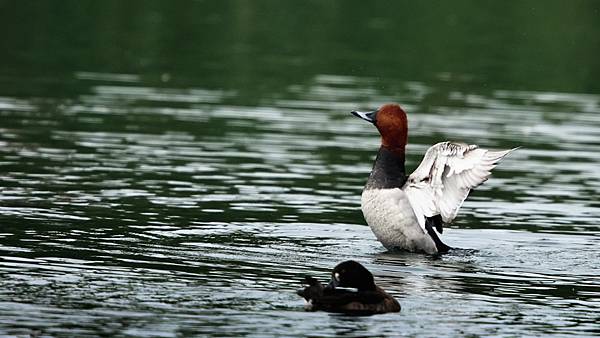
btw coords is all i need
(393, 221)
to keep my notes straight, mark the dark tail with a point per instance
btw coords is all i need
(430, 223)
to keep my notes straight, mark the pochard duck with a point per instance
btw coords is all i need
(352, 290)
(404, 212)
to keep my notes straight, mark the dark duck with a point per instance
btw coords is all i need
(352, 290)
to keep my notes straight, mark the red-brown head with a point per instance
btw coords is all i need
(392, 124)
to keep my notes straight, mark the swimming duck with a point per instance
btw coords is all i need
(404, 212)
(363, 297)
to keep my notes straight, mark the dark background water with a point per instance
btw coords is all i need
(175, 168)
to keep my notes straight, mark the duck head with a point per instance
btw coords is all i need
(392, 124)
(351, 274)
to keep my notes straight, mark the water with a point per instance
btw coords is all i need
(176, 169)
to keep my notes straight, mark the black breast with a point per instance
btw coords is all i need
(388, 171)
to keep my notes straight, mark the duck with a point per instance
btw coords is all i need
(406, 213)
(351, 290)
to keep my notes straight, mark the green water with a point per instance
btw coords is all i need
(175, 168)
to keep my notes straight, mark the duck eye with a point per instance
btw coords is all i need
(336, 276)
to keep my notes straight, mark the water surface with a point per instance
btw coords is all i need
(162, 177)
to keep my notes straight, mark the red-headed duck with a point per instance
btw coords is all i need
(352, 290)
(404, 212)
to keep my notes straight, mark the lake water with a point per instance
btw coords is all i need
(171, 170)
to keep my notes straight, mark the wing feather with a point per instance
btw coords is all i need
(443, 180)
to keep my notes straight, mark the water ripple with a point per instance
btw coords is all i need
(133, 202)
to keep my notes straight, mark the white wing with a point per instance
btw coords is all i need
(446, 175)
